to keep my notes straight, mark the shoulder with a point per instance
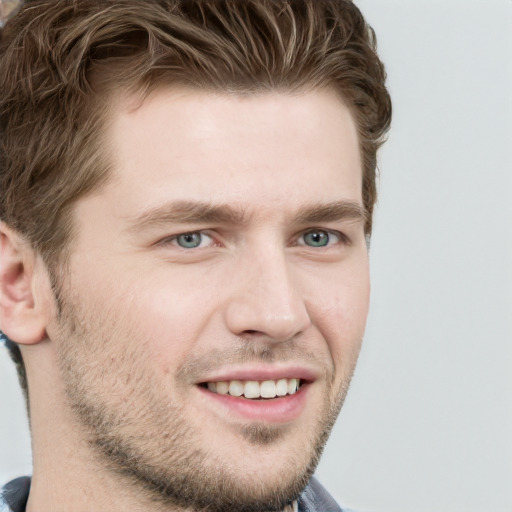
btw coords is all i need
(14, 495)
(315, 498)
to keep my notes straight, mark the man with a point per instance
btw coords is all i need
(187, 197)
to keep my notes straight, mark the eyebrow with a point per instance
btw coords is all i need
(189, 212)
(331, 212)
(192, 212)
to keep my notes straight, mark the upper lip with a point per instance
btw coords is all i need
(262, 373)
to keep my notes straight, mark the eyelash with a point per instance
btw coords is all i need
(342, 238)
(173, 239)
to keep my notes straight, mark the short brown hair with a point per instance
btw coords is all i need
(61, 61)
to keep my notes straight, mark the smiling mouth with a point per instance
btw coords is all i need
(255, 390)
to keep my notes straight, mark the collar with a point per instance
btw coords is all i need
(293, 507)
(14, 496)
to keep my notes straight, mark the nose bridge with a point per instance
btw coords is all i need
(267, 298)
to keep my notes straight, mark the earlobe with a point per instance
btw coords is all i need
(22, 315)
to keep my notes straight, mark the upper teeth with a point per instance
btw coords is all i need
(255, 389)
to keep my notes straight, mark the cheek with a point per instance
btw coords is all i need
(339, 310)
(173, 315)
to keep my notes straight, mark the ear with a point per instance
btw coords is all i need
(23, 313)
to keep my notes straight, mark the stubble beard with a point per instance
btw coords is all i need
(153, 448)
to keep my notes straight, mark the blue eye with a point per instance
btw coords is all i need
(189, 240)
(319, 238)
(316, 238)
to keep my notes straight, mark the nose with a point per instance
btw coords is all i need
(266, 300)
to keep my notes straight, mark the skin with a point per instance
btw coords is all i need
(144, 320)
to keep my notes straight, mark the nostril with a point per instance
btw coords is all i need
(260, 318)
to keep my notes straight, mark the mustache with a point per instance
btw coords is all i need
(249, 353)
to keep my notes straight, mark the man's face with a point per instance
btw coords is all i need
(227, 252)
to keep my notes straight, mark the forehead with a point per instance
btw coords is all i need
(271, 148)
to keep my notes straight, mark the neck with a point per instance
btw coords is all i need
(67, 475)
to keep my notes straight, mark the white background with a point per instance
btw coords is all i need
(428, 423)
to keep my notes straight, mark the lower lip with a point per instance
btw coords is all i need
(277, 410)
